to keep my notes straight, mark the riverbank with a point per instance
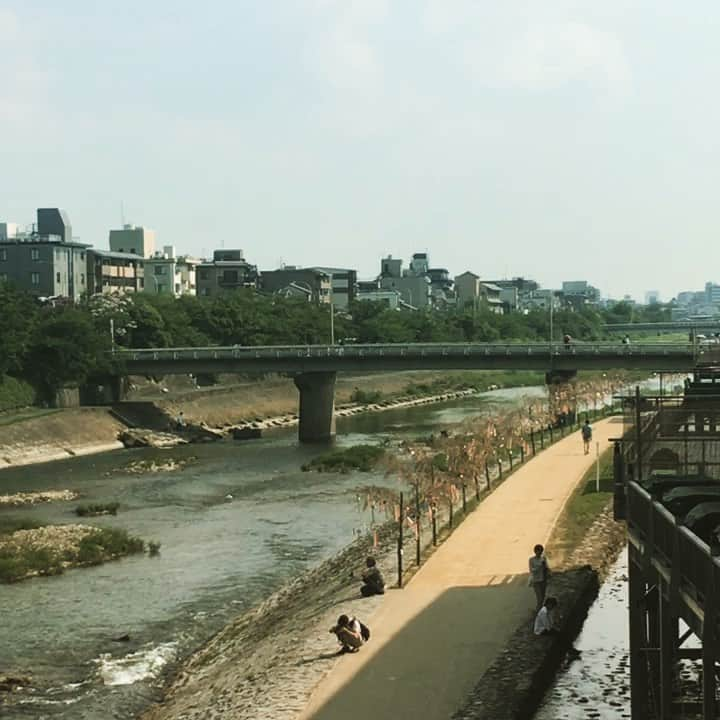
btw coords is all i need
(260, 668)
(29, 439)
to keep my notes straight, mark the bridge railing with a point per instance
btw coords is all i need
(678, 350)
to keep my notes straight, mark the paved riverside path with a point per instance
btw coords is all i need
(432, 641)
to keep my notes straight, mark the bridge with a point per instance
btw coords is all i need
(705, 326)
(315, 366)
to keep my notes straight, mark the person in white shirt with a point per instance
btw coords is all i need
(545, 619)
(539, 572)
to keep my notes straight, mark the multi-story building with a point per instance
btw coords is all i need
(344, 285)
(112, 272)
(579, 293)
(291, 280)
(228, 271)
(467, 289)
(712, 293)
(46, 262)
(168, 274)
(8, 230)
(134, 240)
(652, 297)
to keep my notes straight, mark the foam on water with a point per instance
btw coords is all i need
(135, 666)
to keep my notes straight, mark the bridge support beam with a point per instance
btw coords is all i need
(317, 406)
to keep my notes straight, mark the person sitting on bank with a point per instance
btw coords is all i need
(373, 581)
(545, 619)
(348, 633)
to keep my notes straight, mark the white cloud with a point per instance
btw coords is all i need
(341, 47)
(549, 56)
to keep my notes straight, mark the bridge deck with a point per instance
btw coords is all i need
(676, 357)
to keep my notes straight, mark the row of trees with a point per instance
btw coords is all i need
(438, 471)
(52, 346)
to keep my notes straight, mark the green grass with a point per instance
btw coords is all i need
(9, 525)
(97, 509)
(358, 457)
(583, 507)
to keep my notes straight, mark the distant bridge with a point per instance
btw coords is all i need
(315, 366)
(711, 326)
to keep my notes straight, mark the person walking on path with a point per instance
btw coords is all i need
(586, 431)
(539, 572)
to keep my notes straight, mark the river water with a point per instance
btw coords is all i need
(219, 556)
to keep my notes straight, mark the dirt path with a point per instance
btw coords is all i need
(432, 641)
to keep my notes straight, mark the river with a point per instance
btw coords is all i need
(235, 524)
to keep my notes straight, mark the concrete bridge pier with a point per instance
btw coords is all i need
(317, 406)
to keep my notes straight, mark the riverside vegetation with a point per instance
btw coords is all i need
(27, 549)
(45, 348)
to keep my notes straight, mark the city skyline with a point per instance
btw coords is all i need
(515, 140)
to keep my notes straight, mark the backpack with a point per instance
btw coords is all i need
(364, 630)
(586, 432)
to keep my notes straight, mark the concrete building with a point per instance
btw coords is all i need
(344, 285)
(516, 292)
(490, 294)
(391, 267)
(168, 274)
(467, 289)
(134, 240)
(413, 289)
(543, 299)
(712, 293)
(420, 264)
(287, 280)
(46, 264)
(652, 297)
(579, 293)
(391, 298)
(228, 271)
(8, 230)
(110, 272)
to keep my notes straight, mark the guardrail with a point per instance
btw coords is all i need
(239, 352)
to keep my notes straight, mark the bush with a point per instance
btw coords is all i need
(15, 393)
(153, 548)
(97, 509)
(366, 397)
(110, 542)
(358, 457)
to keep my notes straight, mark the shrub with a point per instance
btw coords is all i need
(365, 397)
(15, 393)
(153, 548)
(97, 509)
(358, 457)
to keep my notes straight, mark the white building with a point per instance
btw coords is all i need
(134, 240)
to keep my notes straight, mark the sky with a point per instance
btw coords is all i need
(558, 140)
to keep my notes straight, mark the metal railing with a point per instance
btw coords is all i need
(415, 350)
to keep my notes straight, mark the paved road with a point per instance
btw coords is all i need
(432, 641)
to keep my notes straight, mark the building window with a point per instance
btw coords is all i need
(57, 277)
(82, 255)
(203, 274)
(3, 254)
(34, 278)
(159, 270)
(34, 254)
(3, 277)
(82, 278)
(160, 287)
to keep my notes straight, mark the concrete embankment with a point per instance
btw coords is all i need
(61, 435)
(82, 431)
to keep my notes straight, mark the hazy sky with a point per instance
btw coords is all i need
(558, 139)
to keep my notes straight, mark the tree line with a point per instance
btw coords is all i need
(53, 346)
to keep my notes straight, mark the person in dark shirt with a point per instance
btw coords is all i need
(373, 582)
